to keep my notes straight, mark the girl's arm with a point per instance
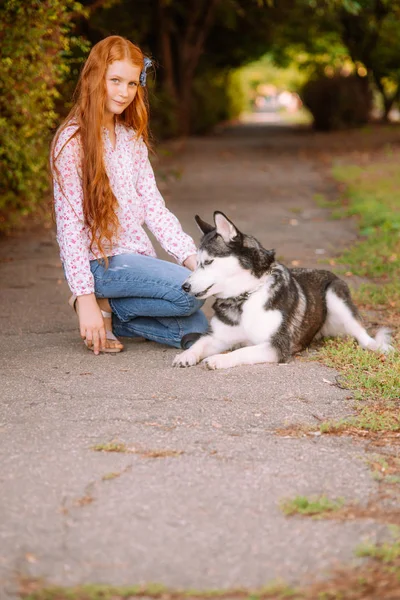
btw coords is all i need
(161, 222)
(72, 236)
(74, 242)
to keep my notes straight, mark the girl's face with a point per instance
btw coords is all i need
(122, 81)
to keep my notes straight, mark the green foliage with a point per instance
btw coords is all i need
(264, 71)
(33, 62)
(315, 506)
(387, 552)
(162, 114)
(363, 371)
(216, 97)
(337, 102)
(361, 36)
(372, 195)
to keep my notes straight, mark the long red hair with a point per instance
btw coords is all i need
(99, 202)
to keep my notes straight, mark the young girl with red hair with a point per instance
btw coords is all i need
(104, 192)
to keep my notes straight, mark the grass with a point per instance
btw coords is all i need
(386, 469)
(34, 590)
(111, 447)
(372, 295)
(386, 553)
(373, 376)
(123, 448)
(370, 194)
(314, 506)
(109, 476)
(374, 380)
(377, 578)
(323, 202)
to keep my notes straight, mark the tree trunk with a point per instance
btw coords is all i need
(166, 51)
(188, 44)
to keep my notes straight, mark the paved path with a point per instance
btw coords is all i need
(206, 515)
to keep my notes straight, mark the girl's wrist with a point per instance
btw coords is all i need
(190, 262)
(86, 299)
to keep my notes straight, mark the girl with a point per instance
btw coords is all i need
(104, 191)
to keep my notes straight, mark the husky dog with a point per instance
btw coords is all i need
(262, 308)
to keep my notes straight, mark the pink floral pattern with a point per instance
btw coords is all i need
(139, 202)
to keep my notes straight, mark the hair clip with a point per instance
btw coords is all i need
(147, 62)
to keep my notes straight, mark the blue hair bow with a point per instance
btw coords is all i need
(143, 75)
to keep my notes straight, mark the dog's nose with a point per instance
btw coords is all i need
(186, 286)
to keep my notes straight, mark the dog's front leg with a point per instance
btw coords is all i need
(251, 355)
(205, 346)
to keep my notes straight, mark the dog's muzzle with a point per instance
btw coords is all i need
(188, 289)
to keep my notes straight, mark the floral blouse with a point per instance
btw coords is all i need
(139, 202)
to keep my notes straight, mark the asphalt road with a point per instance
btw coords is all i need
(195, 502)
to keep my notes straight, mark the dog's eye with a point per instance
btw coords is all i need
(208, 262)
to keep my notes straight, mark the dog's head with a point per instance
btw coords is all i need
(229, 262)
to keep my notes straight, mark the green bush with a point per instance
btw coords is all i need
(163, 124)
(338, 102)
(216, 97)
(34, 54)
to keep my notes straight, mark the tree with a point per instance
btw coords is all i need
(34, 49)
(334, 31)
(371, 33)
(187, 38)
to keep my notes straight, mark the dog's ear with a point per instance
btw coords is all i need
(225, 227)
(271, 254)
(203, 226)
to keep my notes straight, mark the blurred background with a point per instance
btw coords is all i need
(328, 65)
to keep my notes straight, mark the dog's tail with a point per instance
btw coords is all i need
(381, 341)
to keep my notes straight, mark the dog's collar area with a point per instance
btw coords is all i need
(240, 298)
(245, 295)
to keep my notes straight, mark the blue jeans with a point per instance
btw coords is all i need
(147, 299)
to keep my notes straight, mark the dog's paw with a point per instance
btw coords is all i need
(186, 359)
(218, 361)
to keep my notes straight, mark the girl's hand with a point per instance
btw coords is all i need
(91, 323)
(191, 262)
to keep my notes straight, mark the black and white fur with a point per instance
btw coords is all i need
(264, 309)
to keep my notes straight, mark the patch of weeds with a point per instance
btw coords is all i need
(315, 506)
(109, 476)
(378, 578)
(385, 468)
(387, 552)
(370, 194)
(160, 453)
(121, 447)
(375, 376)
(372, 418)
(377, 257)
(378, 296)
(375, 438)
(35, 590)
(115, 474)
(111, 447)
(323, 202)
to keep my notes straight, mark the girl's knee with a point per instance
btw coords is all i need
(192, 304)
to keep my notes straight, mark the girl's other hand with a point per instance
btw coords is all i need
(191, 262)
(91, 323)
